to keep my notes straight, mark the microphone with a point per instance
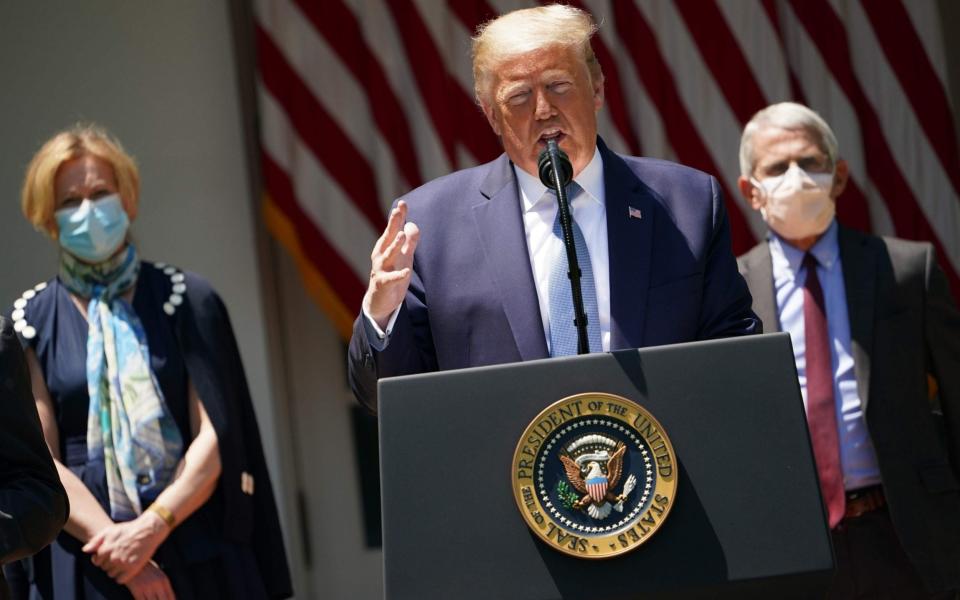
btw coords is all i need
(552, 160)
(556, 172)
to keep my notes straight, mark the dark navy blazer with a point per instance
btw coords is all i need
(472, 299)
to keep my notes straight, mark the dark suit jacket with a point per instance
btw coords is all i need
(33, 504)
(903, 326)
(472, 300)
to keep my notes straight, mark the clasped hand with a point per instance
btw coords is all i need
(151, 583)
(391, 266)
(122, 549)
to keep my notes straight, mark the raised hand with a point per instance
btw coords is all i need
(391, 266)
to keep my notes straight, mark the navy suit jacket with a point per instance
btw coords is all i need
(472, 299)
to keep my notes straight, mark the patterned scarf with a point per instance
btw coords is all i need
(129, 426)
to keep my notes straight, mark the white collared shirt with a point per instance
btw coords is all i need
(590, 213)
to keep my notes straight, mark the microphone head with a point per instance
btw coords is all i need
(545, 165)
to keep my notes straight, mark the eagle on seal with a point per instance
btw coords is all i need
(594, 484)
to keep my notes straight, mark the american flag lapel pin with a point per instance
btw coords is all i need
(634, 213)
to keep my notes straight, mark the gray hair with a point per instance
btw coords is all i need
(791, 116)
(526, 30)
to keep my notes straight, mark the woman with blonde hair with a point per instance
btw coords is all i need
(143, 402)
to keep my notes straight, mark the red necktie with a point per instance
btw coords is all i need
(821, 408)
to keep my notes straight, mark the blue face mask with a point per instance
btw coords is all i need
(94, 230)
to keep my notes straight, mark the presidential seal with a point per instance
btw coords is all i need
(594, 475)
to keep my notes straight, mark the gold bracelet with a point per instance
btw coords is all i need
(164, 513)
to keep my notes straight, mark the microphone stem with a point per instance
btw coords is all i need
(573, 264)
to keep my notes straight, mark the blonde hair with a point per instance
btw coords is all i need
(790, 116)
(38, 195)
(527, 30)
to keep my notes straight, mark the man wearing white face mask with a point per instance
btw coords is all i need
(876, 338)
(798, 204)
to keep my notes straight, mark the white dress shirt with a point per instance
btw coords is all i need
(539, 213)
(590, 213)
(857, 456)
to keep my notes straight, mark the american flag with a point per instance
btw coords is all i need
(361, 101)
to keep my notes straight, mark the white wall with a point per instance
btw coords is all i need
(320, 401)
(161, 76)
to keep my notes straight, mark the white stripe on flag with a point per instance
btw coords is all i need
(318, 194)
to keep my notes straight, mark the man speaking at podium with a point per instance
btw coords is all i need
(471, 269)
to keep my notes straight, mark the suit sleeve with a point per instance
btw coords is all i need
(726, 308)
(942, 334)
(33, 503)
(410, 349)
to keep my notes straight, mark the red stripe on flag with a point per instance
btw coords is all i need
(487, 146)
(474, 131)
(735, 78)
(426, 62)
(339, 26)
(472, 13)
(852, 194)
(316, 247)
(908, 58)
(828, 33)
(319, 131)
(428, 69)
(456, 117)
(721, 52)
(773, 15)
(614, 96)
(853, 210)
(639, 39)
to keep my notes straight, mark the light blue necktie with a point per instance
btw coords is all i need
(563, 331)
